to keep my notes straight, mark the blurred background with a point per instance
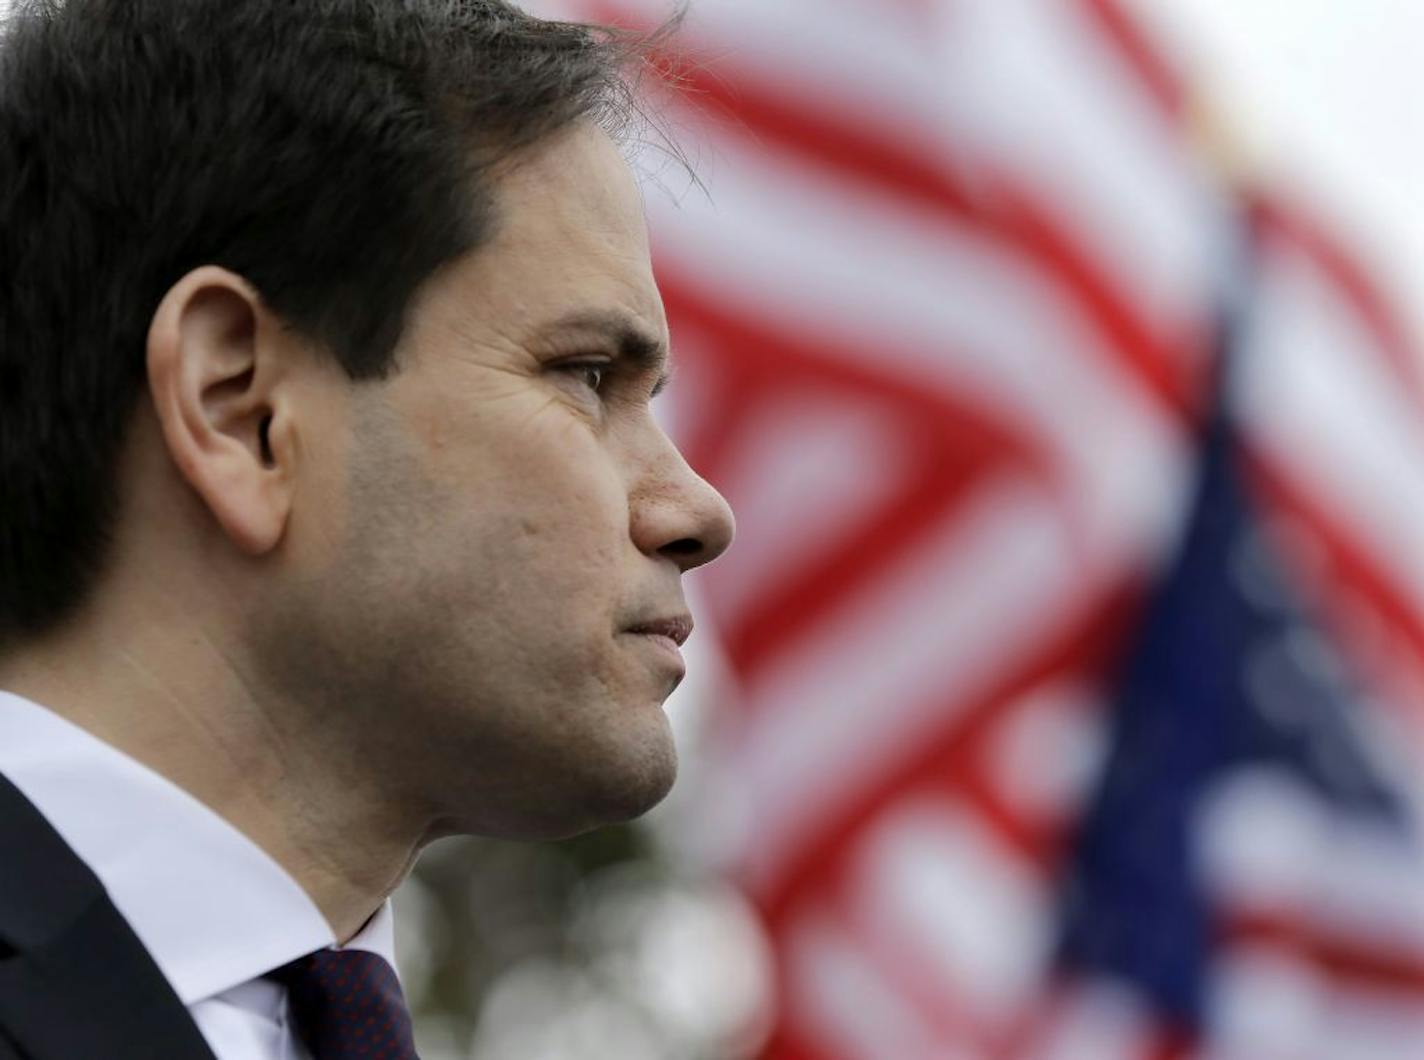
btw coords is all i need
(1063, 696)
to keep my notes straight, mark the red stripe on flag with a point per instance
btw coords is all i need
(822, 137)
(1274, 220)
(1346, 960)
(790, 1042)
(1159, 79)
(1164, 370)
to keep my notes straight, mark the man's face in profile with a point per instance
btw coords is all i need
(491, 586)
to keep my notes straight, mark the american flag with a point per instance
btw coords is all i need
(1077, 610)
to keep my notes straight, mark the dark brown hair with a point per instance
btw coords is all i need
(335, 153)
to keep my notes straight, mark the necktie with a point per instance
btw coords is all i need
(347, 1004)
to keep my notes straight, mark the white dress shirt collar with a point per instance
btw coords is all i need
(212, 908)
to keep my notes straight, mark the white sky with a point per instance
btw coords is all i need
(1322, 96)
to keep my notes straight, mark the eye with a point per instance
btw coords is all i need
(592, 374)
(589, 374)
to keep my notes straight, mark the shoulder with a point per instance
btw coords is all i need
(74, 978)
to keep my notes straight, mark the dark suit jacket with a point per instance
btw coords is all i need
(75, 982)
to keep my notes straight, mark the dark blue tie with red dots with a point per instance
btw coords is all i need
(347, 1004)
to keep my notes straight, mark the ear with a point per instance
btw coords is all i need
(214, 372)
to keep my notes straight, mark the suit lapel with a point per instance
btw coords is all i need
(74, 979)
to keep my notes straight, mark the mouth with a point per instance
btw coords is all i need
(676, 628)
(666, 636)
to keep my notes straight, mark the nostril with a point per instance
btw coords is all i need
(686, 546)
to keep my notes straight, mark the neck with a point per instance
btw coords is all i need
(169, 697)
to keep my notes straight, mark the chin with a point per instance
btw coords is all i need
(589, 792)
(563, 822)
(619, 796)
(627, 771)
(635, 795)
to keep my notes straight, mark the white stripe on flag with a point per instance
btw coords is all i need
(931, 880)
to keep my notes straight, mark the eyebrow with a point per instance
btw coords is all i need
(643, 349)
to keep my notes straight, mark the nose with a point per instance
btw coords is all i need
(678, 514)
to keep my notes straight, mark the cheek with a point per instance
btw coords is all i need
(546, 582)
(568, 523)
(565, 478)
(550, 511)
(518, 509)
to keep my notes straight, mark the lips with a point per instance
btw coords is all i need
(676, 628)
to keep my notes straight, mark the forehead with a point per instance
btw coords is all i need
(570, 236)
